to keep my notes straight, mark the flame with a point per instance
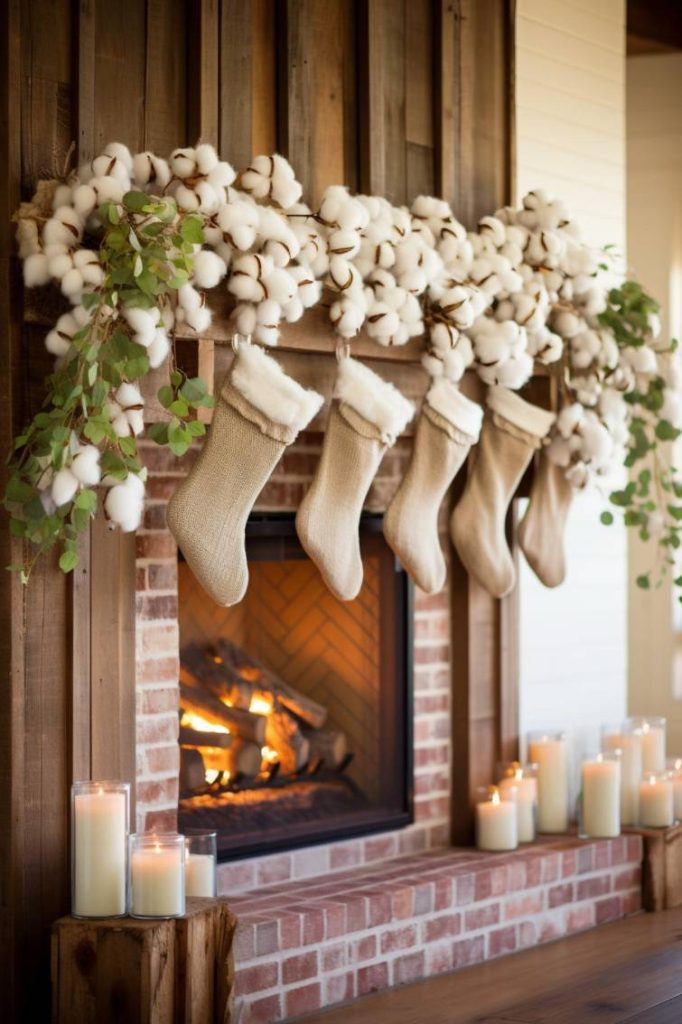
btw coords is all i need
(250, 673)
(260, 705)
(269, 755)
(217, 660)
(200, 724)
(212, 775)
(494, 795)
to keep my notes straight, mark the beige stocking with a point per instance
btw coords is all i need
(258, 412)
(541, 533)
(512, 430)
(448, 426)
(366, 419)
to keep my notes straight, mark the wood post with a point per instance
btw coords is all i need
(661, 867)
(145, 972)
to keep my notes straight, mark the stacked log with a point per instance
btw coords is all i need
(263, 715)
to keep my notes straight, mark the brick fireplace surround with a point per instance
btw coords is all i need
(389, 908)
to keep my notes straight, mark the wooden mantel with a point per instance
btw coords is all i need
(396, 97)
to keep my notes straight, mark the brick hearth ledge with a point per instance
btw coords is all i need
(305, 945)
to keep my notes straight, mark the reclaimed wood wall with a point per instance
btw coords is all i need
(390, 96)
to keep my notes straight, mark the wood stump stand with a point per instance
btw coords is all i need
(125, 971)
(661, 867)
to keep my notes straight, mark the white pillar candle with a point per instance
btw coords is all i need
(100, 838)
(601, 797)
(200, 874)
(158, 876)
(525, 789)
(675, 772)
(629, 742)
(550, 753)
(656, 807)
(496, 823)
(653, 746)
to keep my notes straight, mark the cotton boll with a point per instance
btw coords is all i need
(188, 297)
(433, 365)
(244, 287)
(609, 353)
(413, 280)
(107, 189)
(286, 192)
(186, 198)
(515, 371)
(124, 505)
(85, 466)
(159, 349)
(671, 409)
(59, 264)
(545, 346)
(493, 228)
(455, 305)
(491, 349)
(183, 162)
(245, 319)
(36, 270)
(558, 452)
(209, 269)
(110, 166)
(64, 486)
(143, 323)
(566, 323)
(205, 157)
(280, 286)
(569, 419)
(84, 200)
(343, 274)
(443, 337)
(453, 366)
(221, 177)
(293, 310)
(239, 223)
(128, 395)
(208, 198)
(382, 322)
(596, 442)
(64, 228)
(642, 359)
(344, 243)
(199, 319)
(150, 170)
(72, 284)
(347, 317)
(57, 343)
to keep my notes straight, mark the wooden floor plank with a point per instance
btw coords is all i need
(629, 972)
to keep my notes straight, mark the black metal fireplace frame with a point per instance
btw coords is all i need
(272, 535)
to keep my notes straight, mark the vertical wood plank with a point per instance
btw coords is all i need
(264, 28)
(318, 96)
(447, 90)
(419, 98)
(383, 157)
(203, 72)
(165, 94)
(236, 92)
(120, 34)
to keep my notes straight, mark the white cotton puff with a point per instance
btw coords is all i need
(36, 270)
(596, 444)
(347, 316)
(107, 189)
(84, 200)
(183, 162)
(641, 359)
(65, 227)
(245, 318)
(443, 337)
(221, 176)
(128, 395)
(512, 373)
(125, 502)
(207, 196)
(343, 275)
(199, 319)
(186, 198)
(239, 221)
(569, 419)
(72, 284)
(455, 305)
(159, 348)
(293, 310)
(151, 171)
(189, 298)
(57, 343)
(544, 345)
(205, 157)
(85, 466)
(566, 323)
(585, 347)
(494, 229)
(64, 486)
(143, 323)
(382, 322)
(208, 269)
(115, 162)
(279, 285)
(344, 243)
(454, 365)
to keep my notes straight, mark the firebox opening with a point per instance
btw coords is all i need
(296, 708)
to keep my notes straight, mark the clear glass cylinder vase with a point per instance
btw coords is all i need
(201, 858)
(523, 779)
(100, 815)
(496, 824)
(656, 800)
(653, 731)
(599, 804)
(157, 875)
(550, 752)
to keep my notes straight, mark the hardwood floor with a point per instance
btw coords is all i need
(629, 972)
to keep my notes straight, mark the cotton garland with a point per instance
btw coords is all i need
(135, 242)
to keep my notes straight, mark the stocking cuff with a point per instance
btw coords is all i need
(460, 412)
(374, 399)
(277, 397)
(518, 412)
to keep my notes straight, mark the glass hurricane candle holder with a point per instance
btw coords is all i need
(599, 816)
(549, 751)
(656, 800)
(675, 773)
(100, 812)
(201, 857)
(626, 737)
(157, 875)
(653, 742)
(496, 828)
(522, 778)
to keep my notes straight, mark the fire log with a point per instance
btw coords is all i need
(225, 753)
(192, 770)
(283, 734)
(330, 745)
(241, 723)
(237, 660)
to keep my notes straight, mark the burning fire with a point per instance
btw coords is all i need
(212, 775)
(269, 755)
(260, 705)
(192, 721)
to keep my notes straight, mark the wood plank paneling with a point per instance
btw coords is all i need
(383, 153)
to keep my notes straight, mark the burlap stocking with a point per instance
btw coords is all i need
(366, 419)
(512, 430)
(258, 412)
(541, 533)
(448, 426)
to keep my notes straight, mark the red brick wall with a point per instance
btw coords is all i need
(157, 670)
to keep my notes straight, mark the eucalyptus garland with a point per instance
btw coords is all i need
(135, 242)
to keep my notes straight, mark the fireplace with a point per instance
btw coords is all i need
(295, 708)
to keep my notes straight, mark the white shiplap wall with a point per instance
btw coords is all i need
(570, 117)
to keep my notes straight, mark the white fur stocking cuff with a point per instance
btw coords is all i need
(518, 412)
(263, 383)
(377, 401)
(447, 400)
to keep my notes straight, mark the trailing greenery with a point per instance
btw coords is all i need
(146, 253)
(651, 502)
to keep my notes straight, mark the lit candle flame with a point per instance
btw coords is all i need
(494, 795)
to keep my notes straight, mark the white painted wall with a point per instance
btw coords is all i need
(570, 89)
(654, 216)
